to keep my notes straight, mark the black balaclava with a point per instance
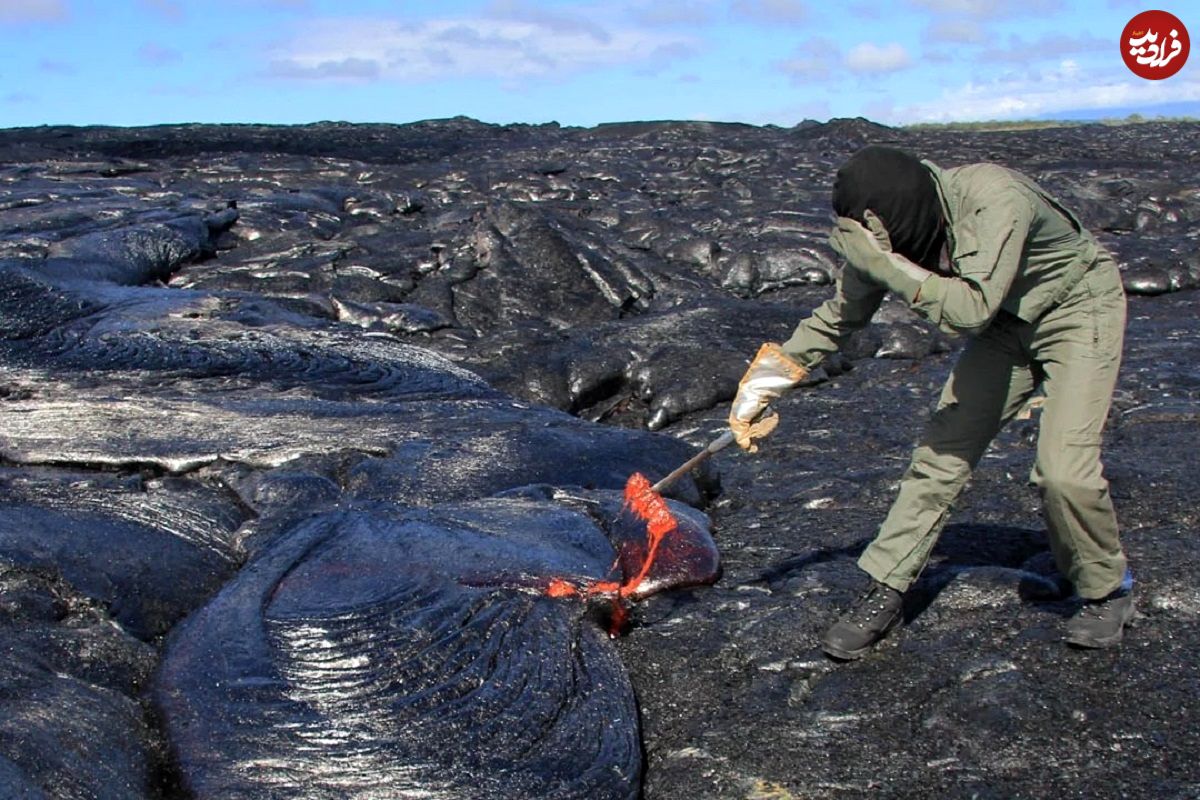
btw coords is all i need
(899, 189)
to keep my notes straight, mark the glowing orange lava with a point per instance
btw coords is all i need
(647, 505)
(561, 588)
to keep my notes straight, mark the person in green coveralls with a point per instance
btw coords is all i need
(1044, 307)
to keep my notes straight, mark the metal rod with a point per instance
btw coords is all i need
(715, 446)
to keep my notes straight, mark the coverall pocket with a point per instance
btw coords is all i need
(966, 245)
(1105, 315)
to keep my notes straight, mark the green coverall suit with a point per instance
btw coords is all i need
(1045, 306)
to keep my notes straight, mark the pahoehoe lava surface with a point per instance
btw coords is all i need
(380, 651)
(298, 424)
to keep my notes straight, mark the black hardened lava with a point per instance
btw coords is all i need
(312, 441)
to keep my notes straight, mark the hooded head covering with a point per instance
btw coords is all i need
(898, 188)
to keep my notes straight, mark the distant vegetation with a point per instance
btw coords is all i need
(1035, 124)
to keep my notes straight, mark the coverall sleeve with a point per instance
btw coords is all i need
(854, 302)
(988, 249)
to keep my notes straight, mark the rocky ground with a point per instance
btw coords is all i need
(212, 333)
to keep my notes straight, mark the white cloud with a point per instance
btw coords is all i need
(33, 11)
(812, 59)
(344, 69)
(1045, 48)
(819, 58)
(872, 58)
(955, 31)
(167, 9)
(779, 12)
(975, 7)
(1055, 90)
(497, 46)
(656, 61)
(991, 8)
(559, 22)
(272, 5)
(672, 13)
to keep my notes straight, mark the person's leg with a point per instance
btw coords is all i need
(1078, 346)
(990, 383)
(986, 388)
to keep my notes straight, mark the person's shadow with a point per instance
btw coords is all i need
(960, 546)
(781, 570)
(985, 545)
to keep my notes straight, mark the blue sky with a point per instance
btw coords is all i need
(138, 62)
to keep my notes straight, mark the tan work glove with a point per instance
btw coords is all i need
(770, 375)
(869, 250)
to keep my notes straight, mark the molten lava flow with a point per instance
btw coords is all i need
(561, 588)
(647, 505)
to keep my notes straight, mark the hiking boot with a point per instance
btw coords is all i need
(1101, 623)
(865, 623)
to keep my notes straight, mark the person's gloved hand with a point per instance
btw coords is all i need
(770, 375)
(868, 249)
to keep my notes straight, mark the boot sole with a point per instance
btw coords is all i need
(841, 654)
(1093, 643)
(847, 655)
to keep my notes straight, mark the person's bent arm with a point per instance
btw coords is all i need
(776, 370)
(988, 252)
(854, 302)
